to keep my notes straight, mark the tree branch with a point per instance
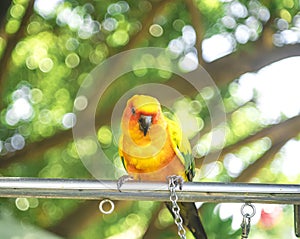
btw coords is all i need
(152, 231)
(157, 8)
(80, 218)
(259, 164)
(196, 22)
(4, 6)
(11, 42)
(228, 68)
(278, 133)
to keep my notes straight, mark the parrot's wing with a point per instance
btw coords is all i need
(121, 151)
(182, 148)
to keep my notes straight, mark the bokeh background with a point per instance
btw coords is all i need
(48, 48)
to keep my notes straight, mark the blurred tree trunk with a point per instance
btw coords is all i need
(277, 133)
(4, 5)
(72, 224)
(11, 42)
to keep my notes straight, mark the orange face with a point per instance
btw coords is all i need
(141, 113)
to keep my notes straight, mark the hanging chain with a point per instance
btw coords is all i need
(246, 219)
(174, 181)
(245, 226)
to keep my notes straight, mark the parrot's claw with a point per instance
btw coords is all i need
(123, 180)
(176, 180)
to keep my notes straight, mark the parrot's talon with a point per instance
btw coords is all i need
(123, 179)
(176, 180)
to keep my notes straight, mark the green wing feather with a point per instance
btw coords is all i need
(182, 147)
(121, 152)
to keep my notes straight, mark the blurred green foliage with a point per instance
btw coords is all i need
(53, 50)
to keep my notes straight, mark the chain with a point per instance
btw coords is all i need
(246, 219)
(245, 226)
(173, 182)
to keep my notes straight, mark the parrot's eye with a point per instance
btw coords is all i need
(133, 110)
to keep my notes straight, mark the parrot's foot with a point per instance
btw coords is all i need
(176, 181)
(123, 180)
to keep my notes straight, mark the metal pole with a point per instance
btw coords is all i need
(297, 220)
(152, 191)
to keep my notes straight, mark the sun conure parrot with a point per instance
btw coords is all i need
(152, 147)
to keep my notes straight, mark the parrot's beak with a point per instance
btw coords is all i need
(145, 123)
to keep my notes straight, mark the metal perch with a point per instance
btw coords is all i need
(152, 191)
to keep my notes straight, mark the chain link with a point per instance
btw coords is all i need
(245, 225)
(173, 182)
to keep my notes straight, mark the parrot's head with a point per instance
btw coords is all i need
(141, 112)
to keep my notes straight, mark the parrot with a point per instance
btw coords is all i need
(152, 147)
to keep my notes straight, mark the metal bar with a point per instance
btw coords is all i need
(297, 220)
(154, 191)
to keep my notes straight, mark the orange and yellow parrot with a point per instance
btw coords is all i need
(152, 147)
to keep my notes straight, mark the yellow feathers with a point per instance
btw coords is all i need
(144, 103)
(152, 146)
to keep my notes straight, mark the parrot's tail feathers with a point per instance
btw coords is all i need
(191, 219)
